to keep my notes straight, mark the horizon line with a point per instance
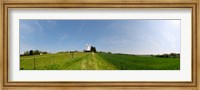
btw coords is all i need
(106, 52)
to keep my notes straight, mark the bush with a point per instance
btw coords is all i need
(31, 52)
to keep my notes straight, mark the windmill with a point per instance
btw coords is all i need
(88, 48)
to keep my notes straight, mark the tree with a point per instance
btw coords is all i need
(165, 55)
(44, 52)
(109, 52)
(31, 52)
(36, 52)
(93, 49)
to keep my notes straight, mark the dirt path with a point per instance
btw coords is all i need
(94, 62)
(89, 61)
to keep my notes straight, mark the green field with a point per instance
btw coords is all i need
(97, 61)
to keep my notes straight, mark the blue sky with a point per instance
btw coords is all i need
(117, 36)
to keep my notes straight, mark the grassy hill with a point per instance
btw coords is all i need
(97, 61)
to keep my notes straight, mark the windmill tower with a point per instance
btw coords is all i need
(88, 47)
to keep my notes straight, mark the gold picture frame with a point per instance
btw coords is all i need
(194, 5)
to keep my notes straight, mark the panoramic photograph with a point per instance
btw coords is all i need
(99, 44)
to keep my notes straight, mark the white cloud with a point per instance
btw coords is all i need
(23, 37)
(51, 23)
(144, 39)
(30, 26)
(64, 37)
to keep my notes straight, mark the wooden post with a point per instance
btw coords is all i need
(72, 55)
(34, 63)
(52, 60)
(66, 56)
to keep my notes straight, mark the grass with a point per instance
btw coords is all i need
(97, 61)
(132, 62)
